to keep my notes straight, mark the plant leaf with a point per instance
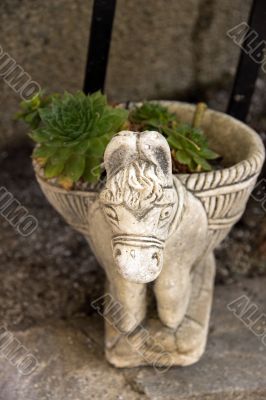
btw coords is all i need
(74, 167)
(183, 157)
(92, 169)
(53, 169)
(208, 154)
(174, 142)
(43, 151)
(200, 160)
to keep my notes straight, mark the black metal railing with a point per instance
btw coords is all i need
(99, 44)
(246, 74)
(249, 66)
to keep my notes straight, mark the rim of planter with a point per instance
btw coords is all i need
(240, 146)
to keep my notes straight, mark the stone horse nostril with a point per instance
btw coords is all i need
(133, 254)
(156, 257)
(117, 252)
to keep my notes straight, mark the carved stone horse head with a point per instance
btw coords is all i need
(139, 202)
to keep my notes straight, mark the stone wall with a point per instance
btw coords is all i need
(160, 48)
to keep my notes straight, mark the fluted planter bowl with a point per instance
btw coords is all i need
(147, 225)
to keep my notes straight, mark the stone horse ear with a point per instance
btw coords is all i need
(150, 146)
(154, 148)
(120, 152)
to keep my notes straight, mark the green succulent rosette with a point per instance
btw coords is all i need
(72, 132)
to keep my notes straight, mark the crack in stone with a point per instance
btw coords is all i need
(135, 385)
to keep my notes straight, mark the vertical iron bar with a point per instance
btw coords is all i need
(99, 45)
(248, 69)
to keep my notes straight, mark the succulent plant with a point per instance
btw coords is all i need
(190, 151)
(72, 132)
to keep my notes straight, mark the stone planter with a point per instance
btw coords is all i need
(147, 225)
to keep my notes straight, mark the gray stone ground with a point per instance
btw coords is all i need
(71, 363)
(49, 280)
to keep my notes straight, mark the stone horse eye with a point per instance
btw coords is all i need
(111, 214)
(165, 215)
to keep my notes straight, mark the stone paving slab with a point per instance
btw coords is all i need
(71, 363)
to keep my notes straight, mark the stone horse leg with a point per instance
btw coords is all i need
(130, 308)
(191, 336)
(174, 286)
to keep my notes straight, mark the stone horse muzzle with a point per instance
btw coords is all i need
(139, 259)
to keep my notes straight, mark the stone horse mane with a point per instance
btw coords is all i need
(138, 186)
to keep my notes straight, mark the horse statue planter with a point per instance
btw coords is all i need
(147, 225)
